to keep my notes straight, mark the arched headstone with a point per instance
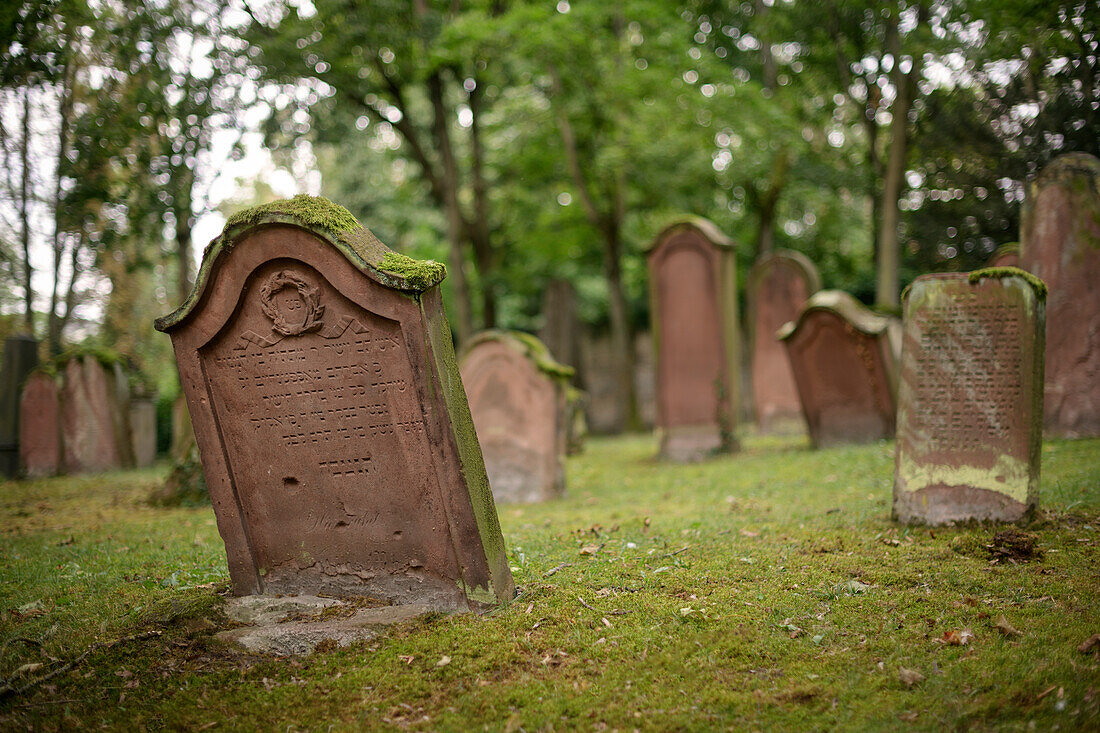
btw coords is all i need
(1060, 244)
(1007, 255)
(519, 401)
(40, 426)
(334, 432)
(970, 401)
(693, 297)
(779, 285)
(845, 369)
(88, 437)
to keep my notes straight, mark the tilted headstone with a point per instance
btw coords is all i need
(693, 302)
(20, 357)
(519, 402)
(970, 400)
(1060, 244)
(331, 421)
(845, 369)
(779, 284)
(40, 426)
(143, 431)
(88, 437)
(1007, 255)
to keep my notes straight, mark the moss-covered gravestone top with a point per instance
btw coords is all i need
(519, 400)
(1007, 255)
(844, 368)
(779, 284)
(693, 302)
(1060, 244)
(970, 402)
(334, 433)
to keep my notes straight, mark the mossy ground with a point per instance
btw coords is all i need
(767, 591)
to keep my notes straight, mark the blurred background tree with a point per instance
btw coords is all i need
(524, 142)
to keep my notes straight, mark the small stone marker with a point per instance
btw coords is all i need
(845, 369)
(1060, 244)
(20, 357)
(333, 428)
(693, 301)
(1007, 255)
(779, 284)
(970, 398)
(518, 398)
(88, 419)
(40, 426)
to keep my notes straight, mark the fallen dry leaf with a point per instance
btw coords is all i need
(590, 549)
(443, 661)
(748, 533)
(1090, 644)
(406, 658)
(958, 638)
(909, 677)
(908, 716)
(1006, 628)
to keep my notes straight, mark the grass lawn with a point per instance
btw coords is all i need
(766, 591)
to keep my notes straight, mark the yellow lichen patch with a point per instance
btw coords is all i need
(1008, 476)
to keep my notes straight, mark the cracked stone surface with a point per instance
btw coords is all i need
(305, 628)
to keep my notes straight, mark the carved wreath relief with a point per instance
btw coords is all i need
(322, 428)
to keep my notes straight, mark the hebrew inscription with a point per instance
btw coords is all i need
(969, 358)
(322, 427)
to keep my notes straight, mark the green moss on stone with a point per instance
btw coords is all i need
(313, 211)
(420, 274)
(542, 357)
(1001, 272)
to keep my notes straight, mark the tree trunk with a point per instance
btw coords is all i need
(24, 215)
(456, 225)
(889, 249)
(622, 334)
(479, 231)
(65, 106)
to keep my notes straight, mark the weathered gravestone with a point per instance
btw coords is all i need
(970, 400)
(143, 431)
(40, 426)
(20, 357)
(1060, 243)
(779, 284)
(519, 401)
(335, 436)
(693, 301)
(1007, 255)
(845, 369)
(88, 417)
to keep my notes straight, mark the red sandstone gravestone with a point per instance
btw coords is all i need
(779, 284)
(334, 433)
(1007, 255)
(519, 401)
(40, 426)
(88, 419)
(845, 369)
(1060, 243)
(970, 401)
(693, 297)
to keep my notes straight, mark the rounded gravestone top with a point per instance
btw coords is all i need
(526, 344)
(795, 259)
(842, 304)
(330, 223)
(705, 227)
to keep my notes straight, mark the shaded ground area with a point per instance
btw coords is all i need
(765, 591)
